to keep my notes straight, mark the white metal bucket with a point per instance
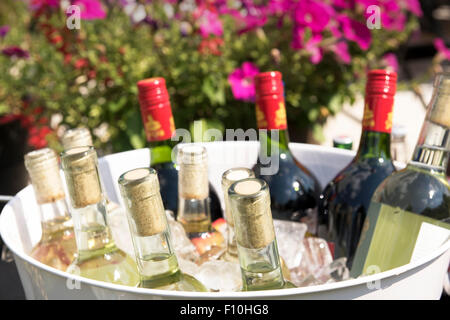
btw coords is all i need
(20, 229)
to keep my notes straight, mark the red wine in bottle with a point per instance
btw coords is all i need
(293, 189)
(159, 125)
(344, 202)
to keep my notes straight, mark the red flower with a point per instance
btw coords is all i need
(211, 46)
(80, 63)
(38, 136)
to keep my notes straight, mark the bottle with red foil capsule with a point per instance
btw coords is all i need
(159, 125)
(293, 189)
(344, 202)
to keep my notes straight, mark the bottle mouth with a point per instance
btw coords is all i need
(236, 174)
(37, 159)
(192, 153)
(268, 83)
(152, 91)
(139, 183)
(76, 137)
(381, 82)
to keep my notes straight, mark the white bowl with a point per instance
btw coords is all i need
(20, 229)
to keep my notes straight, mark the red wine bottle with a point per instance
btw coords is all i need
(344, 201)
(159, 125)
(293, 189)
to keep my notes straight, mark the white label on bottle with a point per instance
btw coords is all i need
(430, 238)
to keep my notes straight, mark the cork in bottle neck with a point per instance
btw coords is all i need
(140, 191)
(78, 137)
(83, 181)
(193, 175)
(250, 206)
(43, 169)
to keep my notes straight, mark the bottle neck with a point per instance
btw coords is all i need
(273, 142)
(431, 152)
(374, 145)
(161, 151)
(92, 233)
(55, 218)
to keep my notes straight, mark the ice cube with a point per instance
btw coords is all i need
(289, 240)
(220, 275)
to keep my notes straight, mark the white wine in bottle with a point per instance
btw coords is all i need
(409, 214)
(98, 256)
(156, 259)
(255, 236)
(57, 246)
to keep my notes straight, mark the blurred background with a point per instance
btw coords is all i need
(58, 72)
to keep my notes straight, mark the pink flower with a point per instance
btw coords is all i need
(414, 7)
(391, 61)
(340, 49)
(311, 46)
(241, 81)
(441, 48)
(312, 14)
(392, 17)
(90, 9)
(355, 31)
(210, 24)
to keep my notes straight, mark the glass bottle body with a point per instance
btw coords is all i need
(345, 200)
(57, 247)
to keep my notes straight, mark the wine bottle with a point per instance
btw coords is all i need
(409, 214)
(157, 263)
(344, 202)
(194, 204)
(294, 190)
(159, 127)
(228, 178)
(98, 256)
(57, 246)
(255, 236)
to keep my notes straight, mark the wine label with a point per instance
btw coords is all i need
(392, 237)
(158, 122)
(430, 238)
(271, 113)
(378, 114)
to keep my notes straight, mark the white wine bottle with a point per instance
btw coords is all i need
(98, 256)
(255, 236)
(57, 246)
(194, 211)
(157, 263)
(228, 178)
(409, 214)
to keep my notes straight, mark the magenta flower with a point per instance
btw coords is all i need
(241, 81)
(340, 49)
(90, 9)
(4, 31)
(311, 46)
(414, 7)
(210, 24)
(355, 31)
(312, 14)
(390, 60)
(441, 48)
(15, 52)
(392, 17)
